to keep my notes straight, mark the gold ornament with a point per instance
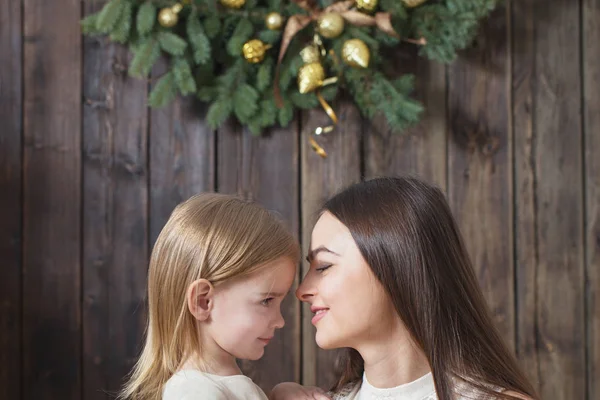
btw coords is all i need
(356, 53)
(254, 51)
(233, 3)
(310, 77)
(330, 25)
(413, 3)
(366, 5)
(167, 17)
(274, 21)
(310, 54)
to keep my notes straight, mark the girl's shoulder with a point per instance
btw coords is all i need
(193, 385)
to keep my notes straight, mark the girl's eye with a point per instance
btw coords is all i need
(323, 268)
(266, 301)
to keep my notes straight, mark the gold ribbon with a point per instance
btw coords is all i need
(297, 22)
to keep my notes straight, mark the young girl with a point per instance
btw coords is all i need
(218, 273)
(390, 281)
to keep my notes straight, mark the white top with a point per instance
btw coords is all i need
(195, 385)
(420, 389)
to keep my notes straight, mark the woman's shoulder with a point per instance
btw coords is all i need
(348, 392)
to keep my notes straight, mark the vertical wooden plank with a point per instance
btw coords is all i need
(115, 197)
(265, 169)
(591, 80)
(11, 111)
(549, 198)
(321, 179)
(480, 168)
(52, 200)
(421, 150)
(182, 156)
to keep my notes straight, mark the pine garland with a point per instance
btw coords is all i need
(205, 52)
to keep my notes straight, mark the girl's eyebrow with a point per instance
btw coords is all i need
(272, 294)
(314, 252)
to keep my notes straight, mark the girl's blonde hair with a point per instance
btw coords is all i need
(210, 236)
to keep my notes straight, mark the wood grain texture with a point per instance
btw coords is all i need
(591, 144)
(182, 156)
(52, 200)
(11, 115)
(421, 150)
(115, 215)
(479, 164)
(265, 169)
(321, 179)
(549, 196)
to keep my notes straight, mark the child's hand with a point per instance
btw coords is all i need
(294, 391)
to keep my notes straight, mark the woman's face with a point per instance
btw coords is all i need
(349, 305)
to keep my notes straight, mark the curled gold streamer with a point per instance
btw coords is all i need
(317, 148)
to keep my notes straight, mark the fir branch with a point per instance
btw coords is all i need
(89, 25)
(218, 113)
(212, 26)
(146, 18)
(241, 34)
(144, 58)
(286, 114)
(183, 76)
(264, 76)
(122, 29)
(245, 100)
(171, 43)
(109, 16)
(198, 40)
(164, 92)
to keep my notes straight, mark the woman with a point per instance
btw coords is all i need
(390, 281)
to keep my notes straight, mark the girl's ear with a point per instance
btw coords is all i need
(200, 299)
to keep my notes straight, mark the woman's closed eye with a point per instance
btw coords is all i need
(323, 267)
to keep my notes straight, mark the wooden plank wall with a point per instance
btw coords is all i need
(89, 175)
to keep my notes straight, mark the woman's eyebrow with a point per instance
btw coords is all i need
(314, 252)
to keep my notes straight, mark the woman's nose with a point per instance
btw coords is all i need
(306, 289)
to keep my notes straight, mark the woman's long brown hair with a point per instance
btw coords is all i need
(406, 233)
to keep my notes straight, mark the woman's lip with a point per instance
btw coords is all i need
(318, 316)
(265, 341)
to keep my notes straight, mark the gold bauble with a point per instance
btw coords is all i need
(310, 54)
(330, 25)
(366, 5)
(356, 53)
(254, 51)
(274, 21)
(233, 3)
(167, 17)
(413, 3)
(310, 77)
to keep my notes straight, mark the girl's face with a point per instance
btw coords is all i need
(349, 305)
(246, 311)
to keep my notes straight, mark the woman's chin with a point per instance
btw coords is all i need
(325, 341)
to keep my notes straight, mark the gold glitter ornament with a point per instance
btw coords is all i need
(366, 5)
(167, 17)
(274, 21)
(310, 54)
(330, 25)
(233, 3)
(356, 53)
(310, 77)
(254, 51)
